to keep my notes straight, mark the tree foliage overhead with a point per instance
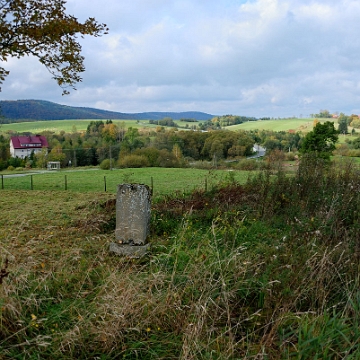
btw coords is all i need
(42, 28)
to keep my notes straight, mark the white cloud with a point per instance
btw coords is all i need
(258, 57)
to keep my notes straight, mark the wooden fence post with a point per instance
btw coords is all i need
(2, 182)
(105, 183)
(31, 183)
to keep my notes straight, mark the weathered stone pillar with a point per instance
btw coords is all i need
(133, 210)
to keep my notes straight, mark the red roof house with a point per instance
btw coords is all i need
(23, 146)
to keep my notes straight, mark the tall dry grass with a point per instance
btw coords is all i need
(266, 270)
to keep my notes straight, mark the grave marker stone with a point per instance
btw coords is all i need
(133, 210)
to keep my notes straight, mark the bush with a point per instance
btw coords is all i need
(11, 168)
(201, 164)
(290, 156)
(248, 164)
(3, 165)
(105, 164)
(29, 164)
(151, 153)
(133, 161)
(353, 153)
(16, 162)
(167, 159)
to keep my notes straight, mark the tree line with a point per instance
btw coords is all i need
(108, 144)
(105, 140)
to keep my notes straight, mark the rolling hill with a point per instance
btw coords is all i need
(16, 110)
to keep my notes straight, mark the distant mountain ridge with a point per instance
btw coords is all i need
(45, 110)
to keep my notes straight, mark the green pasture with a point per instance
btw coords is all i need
(59, 125)
(69, 126)
(344, 138)
(164, 181)
(303, 125)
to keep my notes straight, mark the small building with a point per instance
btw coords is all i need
(23, 146)
(53, 165)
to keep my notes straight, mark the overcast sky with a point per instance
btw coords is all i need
(242, 57)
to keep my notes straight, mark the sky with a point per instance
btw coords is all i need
(262, 58)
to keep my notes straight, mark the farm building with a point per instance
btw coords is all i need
(23, 146)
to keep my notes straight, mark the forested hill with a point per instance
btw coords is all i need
(45, 110)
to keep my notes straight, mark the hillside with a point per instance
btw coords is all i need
(46, 110)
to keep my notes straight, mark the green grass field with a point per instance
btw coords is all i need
(165, 181)
(304, 125)
(56, 126)
(80, 125)
(62, 125)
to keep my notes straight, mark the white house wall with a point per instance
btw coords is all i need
(12, 150)
(22, 153)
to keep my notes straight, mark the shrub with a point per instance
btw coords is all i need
(16, 162)
(353, 153)
(151, 153)
(105, 164)
(290, 156)
(29, 164)
(247, 164)
(201, 164)
(167, 159)
(11, 168)
(275, 159)
(133, 161)
(3, 165)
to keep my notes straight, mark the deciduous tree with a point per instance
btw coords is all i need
(344, 121)
(42, 28)
(355, 123)
(321, 141)
(110, 133)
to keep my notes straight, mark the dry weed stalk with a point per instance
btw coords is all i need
(4, 271)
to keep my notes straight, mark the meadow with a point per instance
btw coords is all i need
(69, 126)
(301, 124)
(164, 181)
(264, 268)
(35, 127)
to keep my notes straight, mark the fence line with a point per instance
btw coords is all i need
(77, 183)
(30, 182)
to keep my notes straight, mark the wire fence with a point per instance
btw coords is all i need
(160, 181)
(65, 182)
